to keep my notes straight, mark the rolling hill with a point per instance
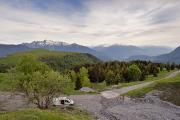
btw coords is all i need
(57, 60)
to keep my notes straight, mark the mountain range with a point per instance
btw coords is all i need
(51, 45)
(173, 56)
(66, 47)
(123, 52)
(109, 53)
(10, 49)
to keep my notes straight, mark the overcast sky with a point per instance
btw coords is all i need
(91, 22)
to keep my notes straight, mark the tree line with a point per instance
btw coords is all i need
(116, 72)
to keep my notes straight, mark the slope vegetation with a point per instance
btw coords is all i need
(57, 60)
(37, 114)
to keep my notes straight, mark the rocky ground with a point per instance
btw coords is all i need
(148, 108)
(12, 101)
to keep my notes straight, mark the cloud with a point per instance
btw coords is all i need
(91, 22)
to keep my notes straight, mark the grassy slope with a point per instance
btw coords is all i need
(169, 86)
(4, 82)
(161, 75)
(56, 60)
(37, 114)
(171, 91)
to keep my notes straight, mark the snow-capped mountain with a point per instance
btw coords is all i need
(63, 46)
(45, 43)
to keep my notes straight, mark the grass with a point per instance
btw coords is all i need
(140, 92)
(171, 92)
(37, 114)
(161, 75)
(4, 82)
(99, 86)
(170, 88)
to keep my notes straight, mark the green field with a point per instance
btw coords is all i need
(169, 86)
(37, 114)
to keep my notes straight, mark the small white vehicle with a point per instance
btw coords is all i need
(62, 101)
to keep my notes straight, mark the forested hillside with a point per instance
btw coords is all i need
(59, 61)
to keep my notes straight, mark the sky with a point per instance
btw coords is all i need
(91, 22)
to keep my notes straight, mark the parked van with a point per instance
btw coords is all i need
(62, 101)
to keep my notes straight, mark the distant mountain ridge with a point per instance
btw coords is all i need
(10, 49)
(140, 57)
(41, 44)
(63, 46)
(123, 52)
(114, 52)
(171, 57)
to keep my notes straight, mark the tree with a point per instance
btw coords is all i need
(44, 87)
(173, 66)
(155, 71)
(133, 73)
(109, 77)
(168, 67)
(83, 74)
(38, 81)
(78, 83)
(117, 78)
(73, 76)
(178, 67)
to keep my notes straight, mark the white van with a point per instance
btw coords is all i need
(62, 101)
